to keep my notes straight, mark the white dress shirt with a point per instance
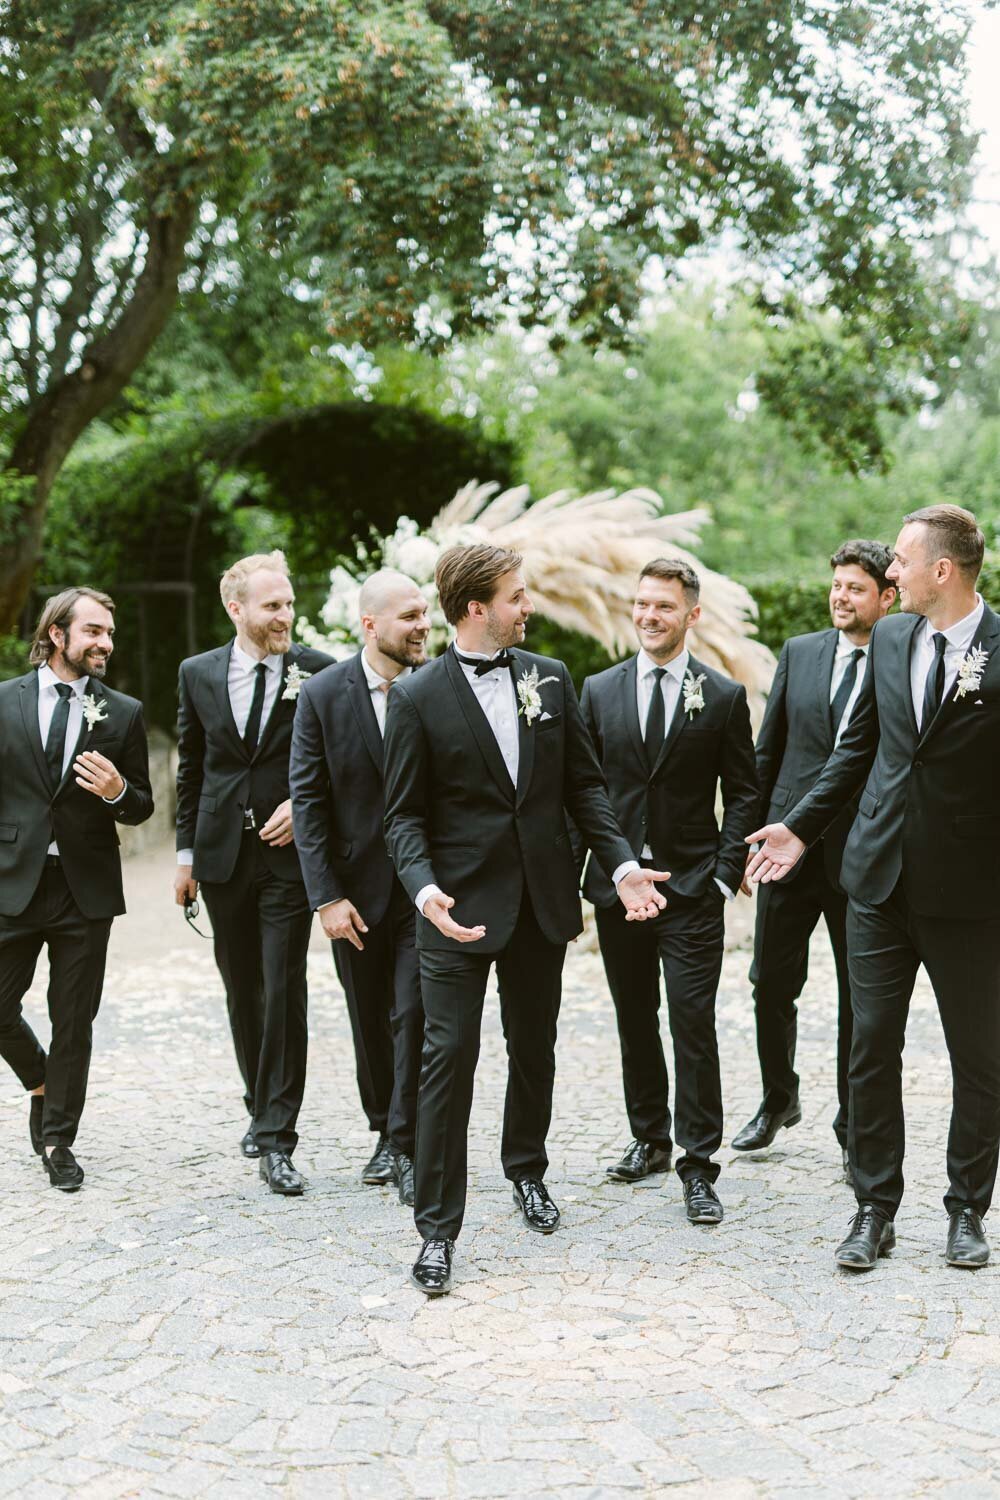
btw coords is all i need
(670, 686)
(497, 697)
(242, 679)
(378, 687)
(48, 697)
(959, 637)
(841, 662)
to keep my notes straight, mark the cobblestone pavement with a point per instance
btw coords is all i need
(175, 1329)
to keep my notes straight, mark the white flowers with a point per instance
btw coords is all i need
(293, 681)
(694, 698)
(528, 685)
(970, 671)
(95, 710)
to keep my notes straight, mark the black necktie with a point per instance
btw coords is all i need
(482, 667)
(934, 685)
(656, 719)
(55, 744)
(844, 689)
(252, 732)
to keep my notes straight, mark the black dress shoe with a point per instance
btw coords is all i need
(35, 1122)
(65, 1172)
(379, 1169)
(640, 1160)
(432, 1267)
(537, 1208)
(402, 1176)
(279, 1174)
(872, 1234)
(702, 1201)
(967, 1244)
(761, 1130)
(248, 1145)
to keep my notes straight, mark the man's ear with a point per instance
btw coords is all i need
(694, 616)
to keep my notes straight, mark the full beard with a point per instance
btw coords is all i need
(406, 654)
(274, 642)
(87, 663)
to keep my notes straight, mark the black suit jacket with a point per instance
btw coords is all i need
(930, 808)
(453, 817)
(796, 739)
(32, 815)
(335, 775)
(673, 809)
(217, 778)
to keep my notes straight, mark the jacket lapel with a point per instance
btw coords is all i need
(360, 700)
(824, 677)
(903, 669)
(985, 636)
(96, 691)
(630, 708)
(676, 725)
(29, 714)
(290, 655)
(220, 686)
(478, 724)
(525, 731)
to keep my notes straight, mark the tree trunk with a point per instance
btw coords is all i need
(58, 418)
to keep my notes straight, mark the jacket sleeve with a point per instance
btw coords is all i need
(136, 805)
(577, 842)
(406, 769)
(585, 791)
(773, 733)
(190, 762)
(740, 796)
(846, 772)
(312, 803)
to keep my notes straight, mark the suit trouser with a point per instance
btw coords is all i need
(687, 938)
(261, 927)
(787, 914)
(887, 944)
(453, 987)
(77, 948)
(382, 986)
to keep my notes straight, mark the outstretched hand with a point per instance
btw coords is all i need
(779, 850)
(436, 909)
(639, 896)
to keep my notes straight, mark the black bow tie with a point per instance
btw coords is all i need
(502, 659)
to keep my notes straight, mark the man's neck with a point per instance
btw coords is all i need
(259, 653)
(948, 610)
(857, 637)
(664, 658)
(383, 665)
(475, 642)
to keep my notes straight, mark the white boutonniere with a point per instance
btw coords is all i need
(95, 710)
(528, 692)
(293, 682)
(970, 671)
(694, 698)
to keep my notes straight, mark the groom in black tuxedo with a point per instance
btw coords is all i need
(485, 751)
(922, 873)
(815, 688)
(670, 732)
(73, 763)
(234, 839)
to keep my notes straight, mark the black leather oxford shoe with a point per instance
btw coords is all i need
(281, 1177)
(379, 1169)
(759, 1132)
(402, 1176)
(35, 1114)
(249, 1146)
(967, 1244)
(432, 1268)
(640, 1160)
(537, 1208)
(871, 1234)
(65, 1172)
(702, 1201)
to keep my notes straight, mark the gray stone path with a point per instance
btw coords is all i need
(174, 1329)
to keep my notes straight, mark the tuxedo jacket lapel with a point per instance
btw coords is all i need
(29, 715)
(95, 691)
(220, 685)
(525, 733)
(273, 716)
(360, 699)
(989, 628)
(479, 725)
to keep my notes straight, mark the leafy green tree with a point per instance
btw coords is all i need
(418, 166)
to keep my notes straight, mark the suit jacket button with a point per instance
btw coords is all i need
(917, 764)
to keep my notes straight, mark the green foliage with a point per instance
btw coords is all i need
(13, 657)
(789, 607)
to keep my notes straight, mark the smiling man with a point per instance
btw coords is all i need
(812, 697)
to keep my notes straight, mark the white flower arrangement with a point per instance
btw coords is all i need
(970, 671)
(293, 681)
(528, 686)
(694, 698)
(95, 710)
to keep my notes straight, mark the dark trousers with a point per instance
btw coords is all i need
(887, 944)
(453, 987)
(261, 926)
(787, 914)
(382, 986)
(687, 939)
(77, 951)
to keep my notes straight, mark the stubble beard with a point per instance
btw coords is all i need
(264, 637)
(405, 655)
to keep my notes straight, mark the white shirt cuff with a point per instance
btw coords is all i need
(729, 895)
(424, 895)
(112, 800)
(185, 856)
(623, 870)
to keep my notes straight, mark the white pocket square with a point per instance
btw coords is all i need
(545, 715)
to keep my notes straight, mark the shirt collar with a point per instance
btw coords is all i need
(250, 663)
(375, 680)
(675, 669)
(960, 635)
(48, 679)
(845, 647)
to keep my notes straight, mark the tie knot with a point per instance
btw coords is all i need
(940, 642)
(856, 655)
(384, 687)
(64, 690)
(659, 673)
(260, 668)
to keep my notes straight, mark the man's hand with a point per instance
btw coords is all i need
(277, 831)
(436, 910)
(779, 850)
(342, 920)
(639, 896)
(185, 889)
(96, 774)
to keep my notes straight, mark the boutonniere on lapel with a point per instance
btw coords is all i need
(528, 685)
(694, 698)
(970, 671)
(95, 710)
(293, 682)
